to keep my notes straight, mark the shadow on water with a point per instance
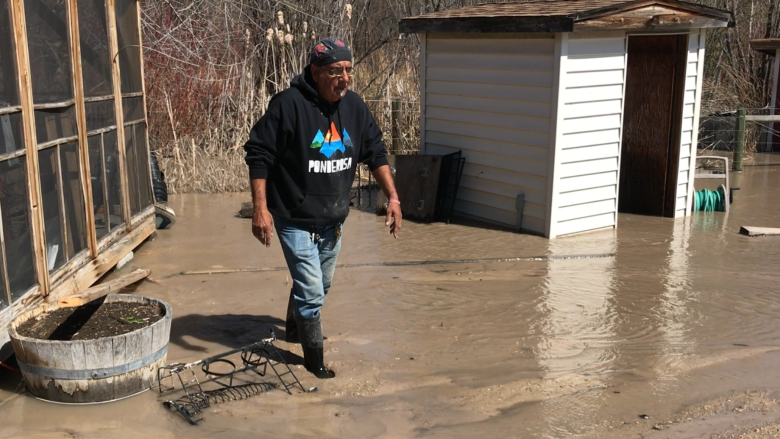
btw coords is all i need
(233, 331)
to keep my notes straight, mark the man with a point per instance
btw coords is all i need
(302, 156)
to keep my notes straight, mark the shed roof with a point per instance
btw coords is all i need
(568, 16)
(768, 45)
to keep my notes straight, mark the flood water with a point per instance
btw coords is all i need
(662, 315)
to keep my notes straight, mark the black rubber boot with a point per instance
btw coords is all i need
(291, 327)
(311, 342)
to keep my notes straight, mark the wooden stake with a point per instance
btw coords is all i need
(30, 140)
(759, 231)
(101, 290)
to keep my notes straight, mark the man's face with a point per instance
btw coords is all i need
(332, 80)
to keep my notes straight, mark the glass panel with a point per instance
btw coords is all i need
(52, 216)
(145, 171)
(16, 225)
(129, 52)
(55, 124)
(11, 133)
(132, 171)
(100, 114)
(95, 60)
(73, 199)
(49, 50)
(9, 88)
(98, 188)
(113, 185)
(133, 108)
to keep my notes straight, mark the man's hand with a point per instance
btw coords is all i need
(262, 221)
(263, 226)
(385, 180)
(394, 218)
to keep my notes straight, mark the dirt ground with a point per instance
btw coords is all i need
(662, 329)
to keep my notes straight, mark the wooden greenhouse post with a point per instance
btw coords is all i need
(81, 124)
(113, 41)
(148, 149)
(31, 144)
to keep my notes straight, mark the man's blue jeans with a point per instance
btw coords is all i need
(311, 253)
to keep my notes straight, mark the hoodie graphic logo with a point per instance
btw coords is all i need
(331, 141)
(328, 144)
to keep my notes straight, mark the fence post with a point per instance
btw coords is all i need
(739, 150)
(396, 114)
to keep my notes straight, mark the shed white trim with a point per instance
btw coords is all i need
(423, 81)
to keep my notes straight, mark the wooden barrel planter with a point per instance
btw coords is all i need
(98, 370)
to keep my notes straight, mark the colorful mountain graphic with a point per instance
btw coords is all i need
(331, 141)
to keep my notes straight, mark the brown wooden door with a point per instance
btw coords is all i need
(652, 118)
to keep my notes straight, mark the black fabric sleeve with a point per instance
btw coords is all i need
(266, 141)
(373, 151)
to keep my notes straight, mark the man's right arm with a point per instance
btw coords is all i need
(262, 221)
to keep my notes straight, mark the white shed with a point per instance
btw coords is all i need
(583, 108)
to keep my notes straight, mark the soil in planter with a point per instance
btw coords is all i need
(91, 321)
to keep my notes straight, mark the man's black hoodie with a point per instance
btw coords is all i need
(307, 150)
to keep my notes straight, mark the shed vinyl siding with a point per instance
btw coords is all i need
(491, 98)
(690, 132)
(588, 147)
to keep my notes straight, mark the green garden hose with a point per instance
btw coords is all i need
(710, 201)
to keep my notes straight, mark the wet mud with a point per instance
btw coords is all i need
(504, 335)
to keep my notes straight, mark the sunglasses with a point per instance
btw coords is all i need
(337, 71)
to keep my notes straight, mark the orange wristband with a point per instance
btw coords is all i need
(395, 201)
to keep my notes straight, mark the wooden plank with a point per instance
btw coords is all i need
(594, 79)
(147, 149)
(479, 45)
(516, 122)
(589, 109)
(101, 290)
(120, 129)
(498, 91)
(81, 124)
(556, 134)
(586, 224)
(107, 259)
(542, 63)
(505, 149)
(595, 62)
(758, 118)
(490, 76)
(28, 118)
(496, 105)
(594, 93)
(759, 231)
(530, 138)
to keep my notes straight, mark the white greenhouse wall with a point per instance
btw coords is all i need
(689, 138)
(490, 96)
(588, 137)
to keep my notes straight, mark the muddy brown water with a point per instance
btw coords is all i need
(671, 314)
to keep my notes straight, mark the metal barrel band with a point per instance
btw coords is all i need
(85, 374)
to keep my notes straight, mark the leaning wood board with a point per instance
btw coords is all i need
(759, 231)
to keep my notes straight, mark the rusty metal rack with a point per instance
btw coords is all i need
(255, 359)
